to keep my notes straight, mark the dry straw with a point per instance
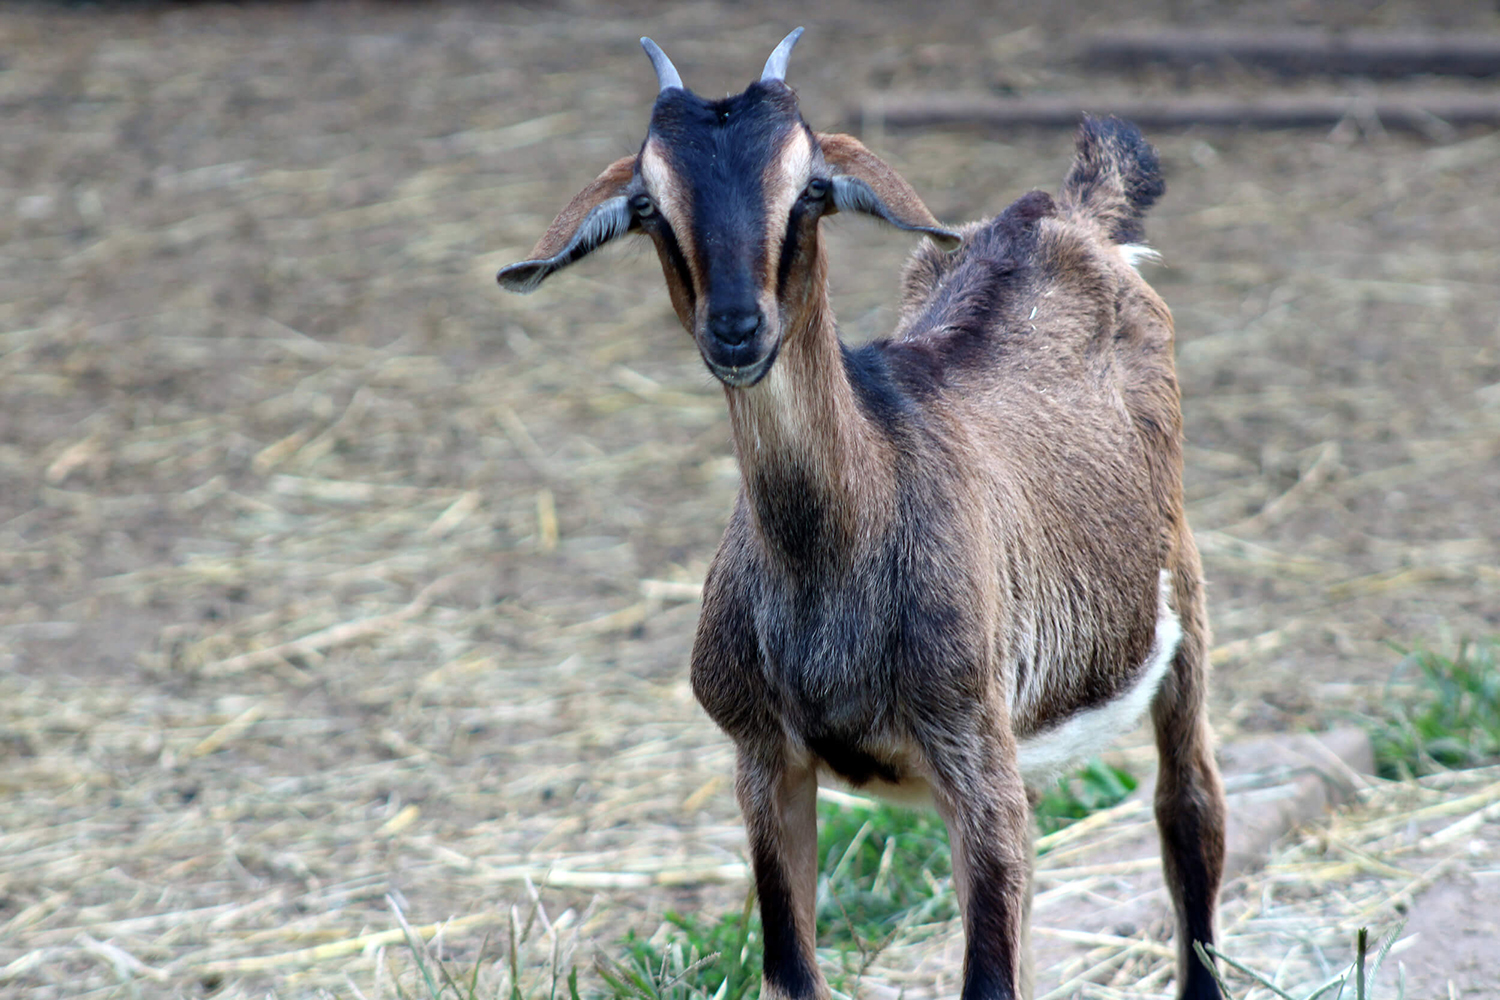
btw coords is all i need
(327, 574)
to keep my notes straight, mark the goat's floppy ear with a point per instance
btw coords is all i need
(596, 215)
(863, 182)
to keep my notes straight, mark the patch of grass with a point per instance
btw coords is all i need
(883, 871)
(1454, 719)
(880, 869)
(1096, 786)
(531, 965)
(697, 957)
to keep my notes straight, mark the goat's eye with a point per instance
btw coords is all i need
(642, 205)
(816, 189)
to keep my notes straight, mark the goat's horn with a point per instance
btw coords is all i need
(776, 65)
(666, 74)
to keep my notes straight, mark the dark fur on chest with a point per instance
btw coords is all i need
(835, 655)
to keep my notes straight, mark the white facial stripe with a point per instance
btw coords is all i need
(795, 163)
(671, 200)
(784, 181)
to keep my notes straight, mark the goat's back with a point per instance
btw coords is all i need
(1044, 361)
(1039, 330)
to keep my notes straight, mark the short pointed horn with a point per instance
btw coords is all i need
(667, 76)
(776, 65)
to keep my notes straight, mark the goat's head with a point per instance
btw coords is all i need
(730, 192)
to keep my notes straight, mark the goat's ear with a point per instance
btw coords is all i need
(596, 215)
(863, 182)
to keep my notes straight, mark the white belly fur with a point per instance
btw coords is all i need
(1049, 755)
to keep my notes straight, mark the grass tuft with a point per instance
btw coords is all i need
(691, 957)
(879, 869)
(537, 963)
(1096, 786)
(884, 873)
(1452, 722)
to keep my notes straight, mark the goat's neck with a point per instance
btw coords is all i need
(811, 459)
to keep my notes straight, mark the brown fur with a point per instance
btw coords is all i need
(951, 543)
(606, 185)
(848, 155)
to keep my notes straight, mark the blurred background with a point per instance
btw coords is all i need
(328, 572)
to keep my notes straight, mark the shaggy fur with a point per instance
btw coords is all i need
(959, 556)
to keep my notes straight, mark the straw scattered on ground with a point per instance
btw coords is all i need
(329, 574)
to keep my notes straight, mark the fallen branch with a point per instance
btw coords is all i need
(1431, 113)
(1301, 51)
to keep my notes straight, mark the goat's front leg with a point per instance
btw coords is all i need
(978, 789)
(779, 800)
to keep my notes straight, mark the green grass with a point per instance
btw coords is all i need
(700, 957)
(436, 979)
(884, 872)
(1097, 786)
(880, 869)
(1453, 721)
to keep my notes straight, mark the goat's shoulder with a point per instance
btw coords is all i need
(726, 675)
(955, 314)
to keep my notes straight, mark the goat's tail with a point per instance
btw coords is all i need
(1115, 177)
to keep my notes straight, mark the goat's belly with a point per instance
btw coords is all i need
(1047, 755)
(891, 772)
(884, 765)
(908, 790)
(891, 767)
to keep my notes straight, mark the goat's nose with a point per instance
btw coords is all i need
(735, 326)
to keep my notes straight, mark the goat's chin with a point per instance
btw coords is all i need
(745, 375)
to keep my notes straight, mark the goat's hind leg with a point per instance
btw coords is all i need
(1189, 795)
(779, 802)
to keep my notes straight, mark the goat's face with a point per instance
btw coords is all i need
(730, 192)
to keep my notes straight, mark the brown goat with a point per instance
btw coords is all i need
(959, 561)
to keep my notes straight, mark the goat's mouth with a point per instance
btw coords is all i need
(742, 376)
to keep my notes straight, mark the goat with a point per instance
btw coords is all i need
(958, 561)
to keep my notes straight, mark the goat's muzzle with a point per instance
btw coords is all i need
(735, 347)
(735, 328)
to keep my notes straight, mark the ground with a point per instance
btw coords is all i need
(329, 572)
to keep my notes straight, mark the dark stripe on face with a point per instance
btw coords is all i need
(679, 264)
(722, 150)
(791, 245)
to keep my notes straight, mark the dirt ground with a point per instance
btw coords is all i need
(328, 572)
